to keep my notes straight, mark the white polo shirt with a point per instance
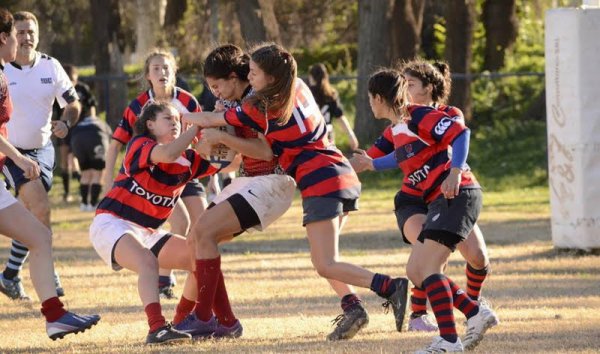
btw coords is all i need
(33, 90)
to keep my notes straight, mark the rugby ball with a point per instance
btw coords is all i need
(221, 155)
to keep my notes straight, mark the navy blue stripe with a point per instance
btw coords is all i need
(304, 140)
(129, 213)
(169, 179)
(416, 116)
(202, 169)
(247, 121)
(125, 126)
(346, 193)
(384, 145)
(323, 173)
(136, 107)
(305, 156)
(409, 150)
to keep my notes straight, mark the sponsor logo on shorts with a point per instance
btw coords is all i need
(250, 192)
(435, 217)
(151, 197)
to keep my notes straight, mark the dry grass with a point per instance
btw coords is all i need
(547, 301)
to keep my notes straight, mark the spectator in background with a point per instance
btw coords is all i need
(35, 81)
(329, 102)
(68, 165)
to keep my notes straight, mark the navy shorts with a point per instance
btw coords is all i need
(44, 156)
(405, 206)
(326, 208)
(449, 221)
(194, 188)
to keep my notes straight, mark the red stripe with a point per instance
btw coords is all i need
(331, 185)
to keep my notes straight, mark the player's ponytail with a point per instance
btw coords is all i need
(391, 86)
(279, 96)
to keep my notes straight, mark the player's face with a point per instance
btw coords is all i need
(9, 53)
(258, 78)
(224, 89)
(167, 126)
(419, 94)
(377, 106)
(161, 72)
(27, 37)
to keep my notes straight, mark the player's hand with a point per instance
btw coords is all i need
(451, 184)
(360, 161)
(60, 128)
(203, 147)
(211, 135)
(31, 169)
(219, 106)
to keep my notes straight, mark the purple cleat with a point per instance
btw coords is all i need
(197, 328)
(235, 331)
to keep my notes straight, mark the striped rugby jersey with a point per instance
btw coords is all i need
(317, 166)
(183, 101)
(421, 150)
(145, 193)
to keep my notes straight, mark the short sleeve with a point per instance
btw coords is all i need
(64, 91)
(137, 155)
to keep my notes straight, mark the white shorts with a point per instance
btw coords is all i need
(6, 199)
(107, 229)
(270, 196)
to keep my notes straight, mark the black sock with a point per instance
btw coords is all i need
(96, 189)
(66, 182)
(83, 190)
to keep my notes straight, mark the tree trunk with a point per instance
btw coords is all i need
(214, 20)
(501, 28)
(433, 12)
(460, 20)
(406, 28)
(174, 13)
(374, 51)
(257, 21)
(110, 86)
(147, 27)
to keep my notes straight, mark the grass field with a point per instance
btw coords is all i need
(547, 301)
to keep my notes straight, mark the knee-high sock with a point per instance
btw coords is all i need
(208, 272)
(221, 306)
(439, 294)
(18, 255)
(475, 279)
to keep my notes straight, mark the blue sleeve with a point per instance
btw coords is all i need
(460, 150)
(386, 162)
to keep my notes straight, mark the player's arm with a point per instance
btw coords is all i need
(257, 148)
(205, 119)
(31, 169)
(170, 152)
(351, 136)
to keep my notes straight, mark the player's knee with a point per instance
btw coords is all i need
(148, 263)
(413, 273)
(478, 258)
(323, 267)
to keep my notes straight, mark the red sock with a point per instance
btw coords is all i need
(208, 272)
(155, 317)
(475, 279)
(221, 305)
(418, 300)
(462, 302)
(53, 309)
(184, 307)
(439, 294)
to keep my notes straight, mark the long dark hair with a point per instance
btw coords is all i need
(277, 62)
(392, 87)
(322, 90)
(149, 113)
(227, 59)
(436, 74)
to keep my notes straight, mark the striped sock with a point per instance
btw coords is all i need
(18, 255)
(349, 301)
(382, 285)
(475, 279)
(439, 294)
(418, 301)
(462, 302)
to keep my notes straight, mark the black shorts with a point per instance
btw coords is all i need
(449, 221)
(194, 188)
(90, 151)
(246, 215)
(326, 208)
(405, 206)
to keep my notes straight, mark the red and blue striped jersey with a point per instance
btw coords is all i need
(421, 149)
(305, 153)
(145, 193)
(385, 143)
(183, 101)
